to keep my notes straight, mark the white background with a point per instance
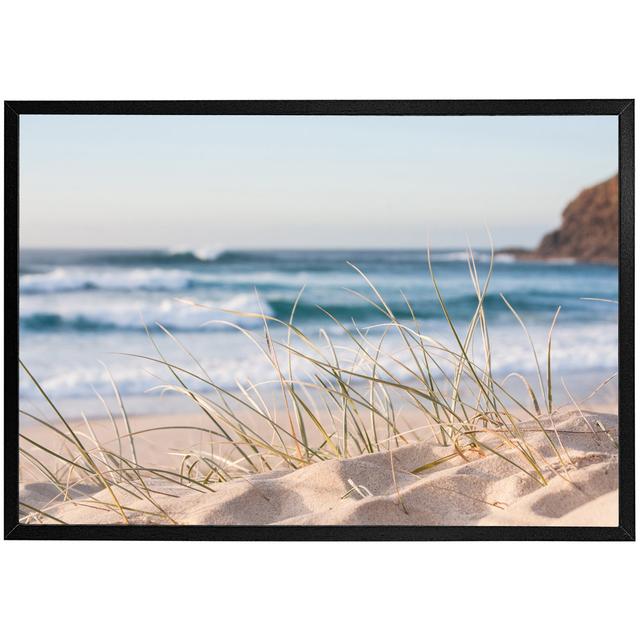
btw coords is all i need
(156, 50)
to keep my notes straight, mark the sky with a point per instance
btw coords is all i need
(304, 181)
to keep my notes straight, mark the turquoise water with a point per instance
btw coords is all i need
(78, 307)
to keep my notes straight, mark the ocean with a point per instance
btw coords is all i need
(81, 309)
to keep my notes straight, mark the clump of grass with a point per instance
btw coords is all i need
(335, 401)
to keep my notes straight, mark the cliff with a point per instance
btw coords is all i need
(589, 229)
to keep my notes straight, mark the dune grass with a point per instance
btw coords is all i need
(335, 402)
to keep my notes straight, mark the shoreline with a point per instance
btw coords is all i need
(147, 405)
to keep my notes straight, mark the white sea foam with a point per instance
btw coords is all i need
(122, 313)
(462, 256)
(75, 279)
(204, 254)
(70, 368)
(156, 279)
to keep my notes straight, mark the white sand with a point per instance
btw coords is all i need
(485, 490)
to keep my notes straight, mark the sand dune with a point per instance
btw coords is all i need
(381, 489)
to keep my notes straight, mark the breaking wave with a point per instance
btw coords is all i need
(175, 315)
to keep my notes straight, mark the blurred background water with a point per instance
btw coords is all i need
(78, 308)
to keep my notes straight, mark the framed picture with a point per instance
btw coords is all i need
(337, 320)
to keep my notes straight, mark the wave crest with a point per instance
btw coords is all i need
(62, 279)
(202, 254)
(175, 315)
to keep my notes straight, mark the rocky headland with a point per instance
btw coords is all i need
(588, 231)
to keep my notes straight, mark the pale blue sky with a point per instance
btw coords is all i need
(284, 181)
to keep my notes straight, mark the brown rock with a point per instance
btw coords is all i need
(589, 229)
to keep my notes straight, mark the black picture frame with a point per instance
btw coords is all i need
(623, 109)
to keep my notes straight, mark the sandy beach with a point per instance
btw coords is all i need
(385, 488)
